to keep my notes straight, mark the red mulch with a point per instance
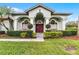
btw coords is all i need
(72, 37)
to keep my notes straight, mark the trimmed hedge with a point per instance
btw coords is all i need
(69, 33)
(53, 34)
(18, 33)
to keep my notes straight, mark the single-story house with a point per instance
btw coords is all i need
(39, 16)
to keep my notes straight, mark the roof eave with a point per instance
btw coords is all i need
(67, 14)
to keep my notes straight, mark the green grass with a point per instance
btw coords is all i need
(48, 47)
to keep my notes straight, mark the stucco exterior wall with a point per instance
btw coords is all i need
(6, 22)
(45, 12)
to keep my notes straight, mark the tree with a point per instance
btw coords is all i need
(6, 11)
(71, 24)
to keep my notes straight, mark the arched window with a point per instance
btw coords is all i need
(58, 19)
(23, 23)
(52, 22)
(39, 16)
(21, 19)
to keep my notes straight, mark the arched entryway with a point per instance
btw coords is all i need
(39, 27)
(39, 23)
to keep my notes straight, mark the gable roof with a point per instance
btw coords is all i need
(39, 5)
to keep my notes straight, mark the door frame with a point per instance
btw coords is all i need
(36, 28)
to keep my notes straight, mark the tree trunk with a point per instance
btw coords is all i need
(5, 26)
(1, 22)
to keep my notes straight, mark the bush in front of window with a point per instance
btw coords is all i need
(48, 26)
(18, 33)
(30, 26)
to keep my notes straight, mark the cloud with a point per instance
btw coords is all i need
(17, 9)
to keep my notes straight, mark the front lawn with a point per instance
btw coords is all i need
(51, 46)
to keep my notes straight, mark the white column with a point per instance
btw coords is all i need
(64, 23)
(44, 25)
(78, 27)
(47, 20)
(15, 25)
(32, 22)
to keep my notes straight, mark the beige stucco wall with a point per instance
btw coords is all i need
(6, 22)
(45, 12)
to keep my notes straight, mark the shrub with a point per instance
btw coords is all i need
(2, 32)
(18, 33)
(13, 33)
(23, 34)
(30, 26)
(48, 30)
(69, 33)
(48, 26)
(30, 33)
(53, 34)
(34, 35)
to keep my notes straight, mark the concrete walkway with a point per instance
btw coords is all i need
(22, 40)
(39, 36)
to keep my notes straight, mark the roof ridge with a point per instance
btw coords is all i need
(39, 4)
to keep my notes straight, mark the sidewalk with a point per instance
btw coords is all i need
(38, 40)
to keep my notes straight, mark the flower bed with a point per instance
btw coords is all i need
(71, 37)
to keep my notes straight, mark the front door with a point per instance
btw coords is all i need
(39, 28)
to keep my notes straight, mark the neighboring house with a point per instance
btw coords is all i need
(38, 16)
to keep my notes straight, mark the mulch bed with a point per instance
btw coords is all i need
(72, 37)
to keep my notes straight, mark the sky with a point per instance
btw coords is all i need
(72, 8)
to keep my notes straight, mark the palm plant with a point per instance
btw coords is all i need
(6, 11)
